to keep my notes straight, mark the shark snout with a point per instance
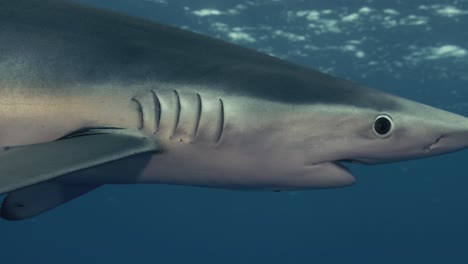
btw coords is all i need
(449, 143)
(453, 136)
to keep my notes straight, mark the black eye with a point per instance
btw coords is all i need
(383, 125)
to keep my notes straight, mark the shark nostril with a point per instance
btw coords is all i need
(434, 145)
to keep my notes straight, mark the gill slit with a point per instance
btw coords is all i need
(178, 110)
(221, 128)
(140, 111)
(197, 122)
(157, 109)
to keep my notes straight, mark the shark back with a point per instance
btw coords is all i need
(84, 45)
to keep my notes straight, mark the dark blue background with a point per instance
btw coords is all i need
(408, 212)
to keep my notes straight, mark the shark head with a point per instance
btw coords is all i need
(385, 130)
(406, 130)
(307, 138)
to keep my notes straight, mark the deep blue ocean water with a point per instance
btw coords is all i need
(406, 212)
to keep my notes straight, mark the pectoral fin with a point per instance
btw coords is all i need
(28, 165)
(36, 199)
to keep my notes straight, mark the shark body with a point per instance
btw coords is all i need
(90, 97)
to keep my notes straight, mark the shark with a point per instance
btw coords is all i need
(90, 97)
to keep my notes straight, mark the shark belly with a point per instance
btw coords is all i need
(204, 167)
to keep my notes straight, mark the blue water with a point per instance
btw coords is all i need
(407, 212)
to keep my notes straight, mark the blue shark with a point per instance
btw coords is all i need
(90, 97)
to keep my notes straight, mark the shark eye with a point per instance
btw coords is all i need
(383, 126)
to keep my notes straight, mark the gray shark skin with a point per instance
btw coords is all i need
(90, 97)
